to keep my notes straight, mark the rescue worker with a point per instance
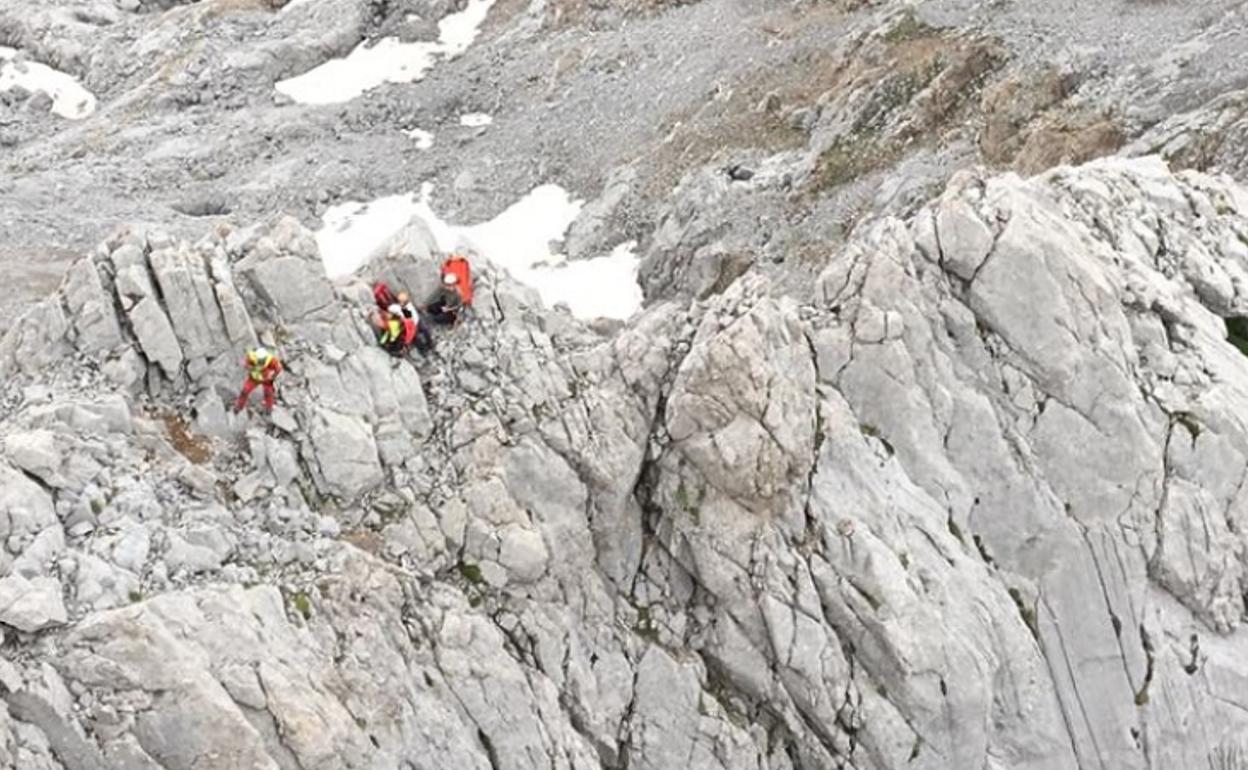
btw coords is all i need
(422, 338)
(404, 301)
(263, 367)
(390, 331)
(447, 303)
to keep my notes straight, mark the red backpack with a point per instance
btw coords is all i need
(382, 295)
(458, 266)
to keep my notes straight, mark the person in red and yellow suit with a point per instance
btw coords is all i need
(262, 368)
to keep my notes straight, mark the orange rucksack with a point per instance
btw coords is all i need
(459, 267)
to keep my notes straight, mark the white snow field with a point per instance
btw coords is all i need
(387, 61)
(517, 240)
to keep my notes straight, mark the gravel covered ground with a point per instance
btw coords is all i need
(189, 125)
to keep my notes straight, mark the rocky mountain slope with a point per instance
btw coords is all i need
(850, 107)
(926, 451)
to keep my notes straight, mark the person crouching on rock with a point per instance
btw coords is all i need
(447, 303)
(454, 296)
(422, 339)
(263, 367)
(397, 331)
(390, 330)
(404, 301)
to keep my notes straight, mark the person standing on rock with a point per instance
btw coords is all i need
(262, 369)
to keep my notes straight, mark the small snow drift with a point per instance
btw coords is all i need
(341, 80)
(69, 99)
(388, 61)
(475, 119)
(424, 139)
(517, 240)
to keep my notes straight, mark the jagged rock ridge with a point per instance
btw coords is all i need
(978, 505)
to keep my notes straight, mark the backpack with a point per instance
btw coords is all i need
(459, 267)
(409, 331)
(382, 295)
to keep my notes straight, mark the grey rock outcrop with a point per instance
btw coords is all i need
(31, 605)
(976, 504)
(905, 464)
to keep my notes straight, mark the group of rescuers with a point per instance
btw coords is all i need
(398, 324)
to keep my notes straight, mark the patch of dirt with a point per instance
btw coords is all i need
(1012, 104)
(959, 72)
(500, 17)
(905, 95)
(197, 449)
(758, 110)
(1069, 139)
(739, 118)
(364, 539)
(850, 158)
(1030, 127)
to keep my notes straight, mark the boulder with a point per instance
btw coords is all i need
(345, 453)
(91, 308)
(155, 335)
(31, 605)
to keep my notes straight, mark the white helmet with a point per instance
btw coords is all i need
(450, 279)
(260, 353)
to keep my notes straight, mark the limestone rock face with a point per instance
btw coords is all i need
(906, 462)
(345, 451)
(978, 503)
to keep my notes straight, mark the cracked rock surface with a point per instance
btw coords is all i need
(979, 503)
(928, 449)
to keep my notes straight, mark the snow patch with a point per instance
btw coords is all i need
(388, 61)
(457, 31)
(604, 287)
(341, 80)
(69, 99)
(475, 119)
(424, 139)
(518, 240)
(353, 231)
